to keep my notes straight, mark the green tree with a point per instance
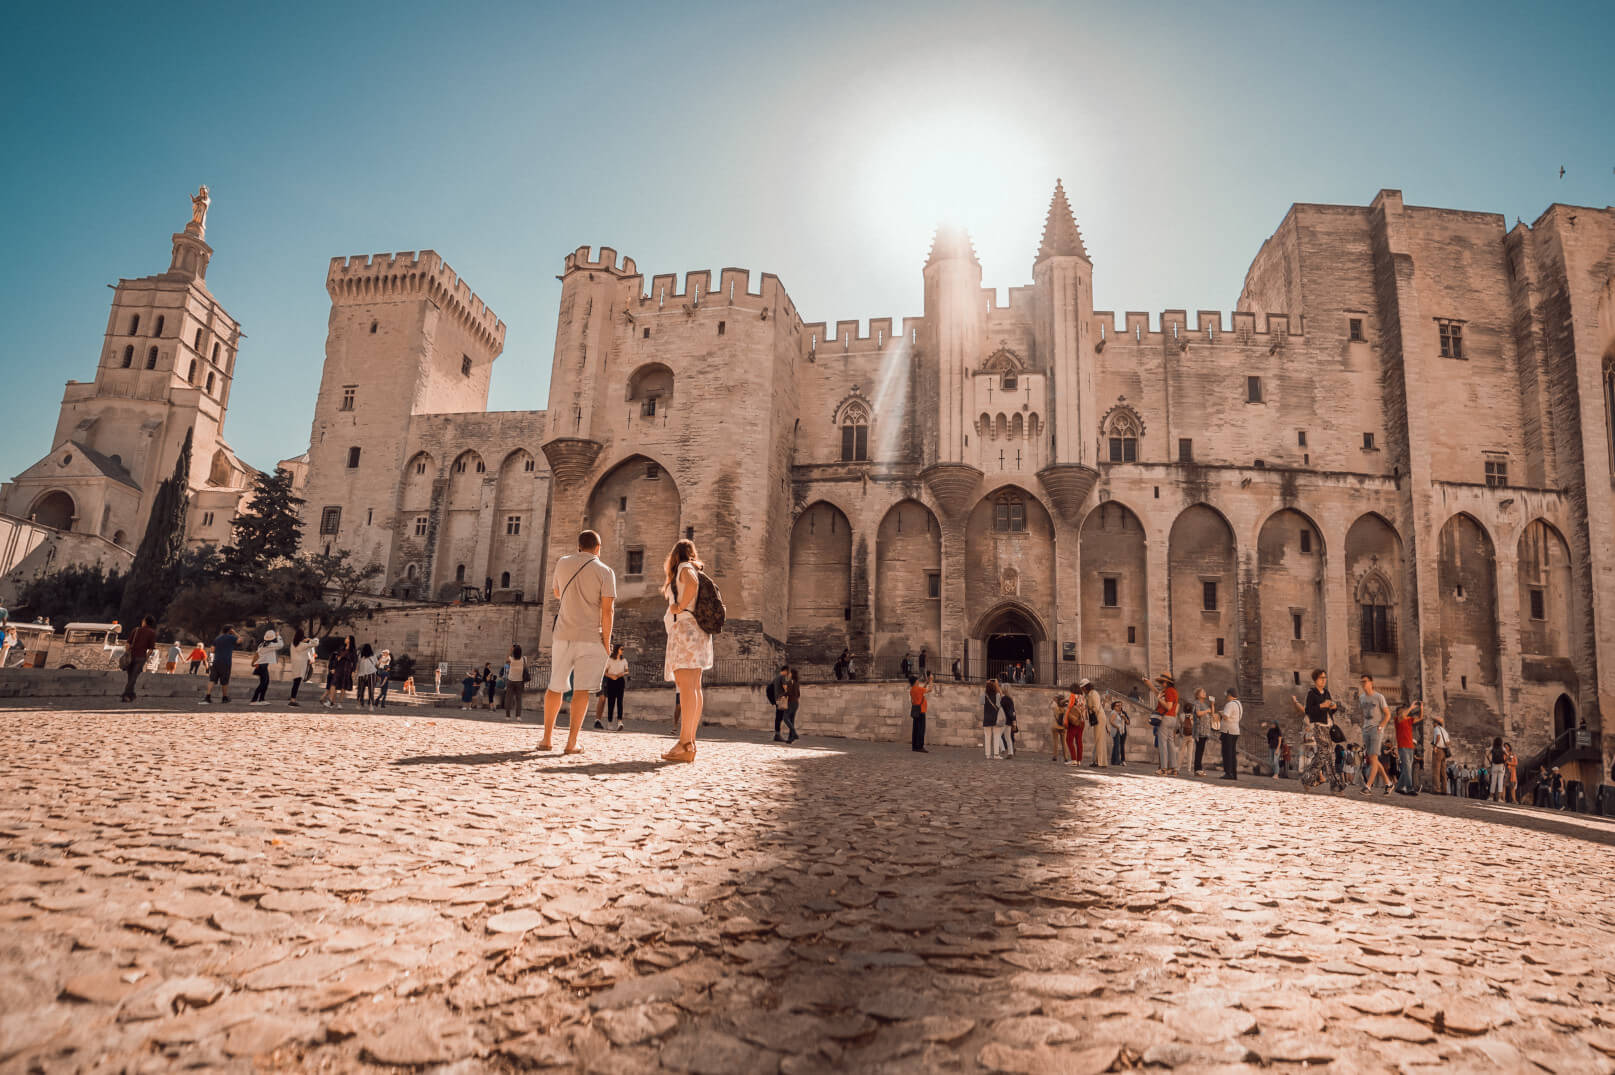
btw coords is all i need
(150, 583)
(85, 592)
(324, 591)
(268, 530)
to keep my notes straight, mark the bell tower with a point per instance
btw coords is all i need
(954, 316)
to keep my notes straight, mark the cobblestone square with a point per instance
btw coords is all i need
(318, 891)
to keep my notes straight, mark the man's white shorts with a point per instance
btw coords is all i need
(582, 661)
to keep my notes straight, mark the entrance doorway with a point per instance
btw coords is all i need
(1564, 715)
(1010, 640)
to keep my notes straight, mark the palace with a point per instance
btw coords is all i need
(1395, 456)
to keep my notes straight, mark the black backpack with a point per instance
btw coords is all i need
(769, 690)
(708, 607)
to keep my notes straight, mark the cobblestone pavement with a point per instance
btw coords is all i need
(259, 890)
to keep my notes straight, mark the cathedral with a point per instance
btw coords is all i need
(1396, 456)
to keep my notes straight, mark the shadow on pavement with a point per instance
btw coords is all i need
(468, 759)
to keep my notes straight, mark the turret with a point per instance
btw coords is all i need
(954, 313)
(1063, 277)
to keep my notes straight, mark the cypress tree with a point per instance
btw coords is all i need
(268, 529)
(151, 575)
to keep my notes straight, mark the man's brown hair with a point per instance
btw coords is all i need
(588, 541)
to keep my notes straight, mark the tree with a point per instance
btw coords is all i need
(268, 530)
(325, 588)
(150, 583)
(76, 592)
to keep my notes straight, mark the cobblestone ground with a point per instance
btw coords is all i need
(260, 890)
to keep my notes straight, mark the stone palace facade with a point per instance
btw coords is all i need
(1396, 456)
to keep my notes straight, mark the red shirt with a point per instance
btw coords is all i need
(916, 694)
(1169, 702)
(1404, 731)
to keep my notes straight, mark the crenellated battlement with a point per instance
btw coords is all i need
(1209, 327)
(365, 278)
(818, 337)
(606, 261)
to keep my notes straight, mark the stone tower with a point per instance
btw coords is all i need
(166, 368)
(406, 336)
(951, 345)
(1063, 277)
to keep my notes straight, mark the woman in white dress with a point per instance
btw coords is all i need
(689, 649)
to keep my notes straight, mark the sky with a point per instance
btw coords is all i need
(819, 142)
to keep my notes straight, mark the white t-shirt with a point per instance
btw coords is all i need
(1230, 716)
(267, 652)
(516, 669)
(617, 666)
(581, 580)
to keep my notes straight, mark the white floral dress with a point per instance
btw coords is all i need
(687, 645)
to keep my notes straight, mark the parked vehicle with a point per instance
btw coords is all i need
(33, 640)
(86, 645)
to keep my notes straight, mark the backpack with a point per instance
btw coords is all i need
(708, 607)
(769, 690)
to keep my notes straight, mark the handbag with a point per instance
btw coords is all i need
(126, 660)
(1335, 734)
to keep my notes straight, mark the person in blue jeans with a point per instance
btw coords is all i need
(1405, 720)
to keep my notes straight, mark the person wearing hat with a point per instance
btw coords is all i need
(1165, 722)
(267, 651)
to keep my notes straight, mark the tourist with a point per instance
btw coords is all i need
(1202, 715)
(922, 660)
(918, 701)
(1120, 722)
(1499, 772)
(615, 686)
(793, 699)
(776, 695)
(1232, 710)
(1375, 714)
(1275, 739)
(304, 652)
(1556, 785)
(958, 674)
(501, 687)
(169, 666)
(365, 677)
(437, 676)
(141, 644)
(490, 685)
(1513, 764)
(339, 672)
(198, 658)
(906, 666)
(384, 676)
(268, 650)
(689, 648)
(516, 683)
(1007, 704)
(1319, 709)
(1407, 782)
(1286, 762)
(224, 653)
(1057, 736)
(1453, 769)
(991, 710)
(586, 593)
(1076, 717)
(1440, 749)
(1165, 723)
(1099, 723)
(468, 689)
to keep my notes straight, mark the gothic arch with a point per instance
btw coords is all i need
(652, 380)
(1122, 420)
(1009, 607)
(1547, 625)
(1374, 577)
(908, 560)
(1003, 360)
(54, 509)
(1113, 565)
(1466, 571)
(1202, 583)
(819, 612)
(1291, 624)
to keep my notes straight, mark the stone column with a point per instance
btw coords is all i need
(1506, 556)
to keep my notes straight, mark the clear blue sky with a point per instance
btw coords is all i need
(818, 142)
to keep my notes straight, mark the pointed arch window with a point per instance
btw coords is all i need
(1123, 433)
(128, 356)
(1374, 610)
(854, 433)
(151, 357)
(1009, 513)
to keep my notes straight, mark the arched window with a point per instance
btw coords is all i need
(854, 433)
(1374, 607)
(158, 331)
(1017, 426)
(651, 386)
(1008, 382)
(984, 425)
(504, 580)
(198, 339)
(129, 356)
(134, 325)
(459, 572)
(1000, 426)
(210, 384)
(1009, 513)
(215, 354)
(409, 572)
(151, 356)
(1123, 433)
(191, 376)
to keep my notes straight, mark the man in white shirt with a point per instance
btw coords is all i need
(586, 590)
(1231, 712)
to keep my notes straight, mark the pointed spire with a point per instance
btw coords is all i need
(1060, 235)
(950, 242)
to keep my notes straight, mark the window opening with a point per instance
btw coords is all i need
(1111, 597)
(1253, 390)
(636, 561)
(330, 520)
(353, 457)
(1208, 596)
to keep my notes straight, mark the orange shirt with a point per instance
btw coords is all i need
(916, 694)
